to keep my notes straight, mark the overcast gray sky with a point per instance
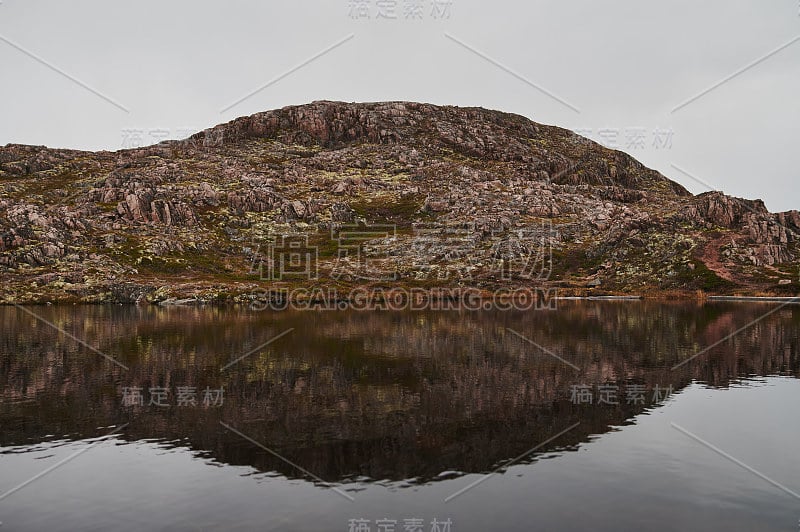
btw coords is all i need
(633, 74)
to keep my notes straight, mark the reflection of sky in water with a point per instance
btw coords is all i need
(622, 468)
(647, 475)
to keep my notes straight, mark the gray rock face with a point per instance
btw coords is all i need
(143, 207)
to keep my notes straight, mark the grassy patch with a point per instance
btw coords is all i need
(110, 206)
(575, 260)
(703, 278)
(401, 211)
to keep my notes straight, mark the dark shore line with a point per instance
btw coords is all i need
(541, 299)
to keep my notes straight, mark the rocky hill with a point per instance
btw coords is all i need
(441, 196)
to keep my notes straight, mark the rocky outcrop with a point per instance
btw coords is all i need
(193, 214)
(724, 211)
(143, 207)
(761, 238)
(253, 200)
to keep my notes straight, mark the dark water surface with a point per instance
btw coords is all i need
(401, 416)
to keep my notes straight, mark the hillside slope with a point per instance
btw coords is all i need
(464, 197)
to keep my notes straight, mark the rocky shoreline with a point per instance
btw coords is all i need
(226, 295)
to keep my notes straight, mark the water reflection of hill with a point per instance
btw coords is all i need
(381, 395)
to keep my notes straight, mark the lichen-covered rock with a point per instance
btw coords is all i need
(189, 217)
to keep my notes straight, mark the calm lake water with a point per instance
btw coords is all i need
(480, 418)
